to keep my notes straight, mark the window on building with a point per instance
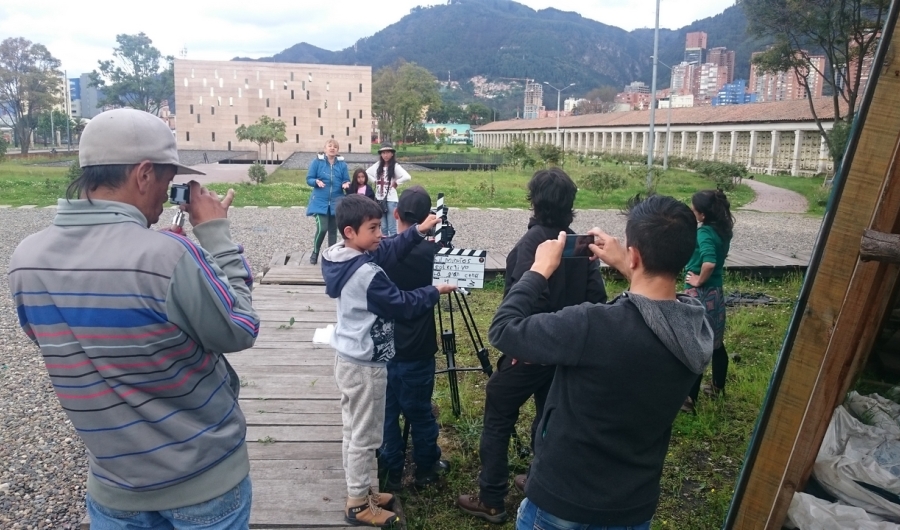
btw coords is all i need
(219, 101)
(295, 121)
(285, 85)
(279, 112)
(230, 101)
(221, 82)
(211, 92)
(198, 117)
(348, 114)
(360, 114)
(292, 94)
(229, 145)
(271, 84)
(246, 83)
(320, 112)
(354, 123)
(310, 77)
(297, 138)
(360, 140)
(235, 119)
(260, 93)
(292, 76)
(240, 94)
(204, 82)
(348, 131)
(267, 102)
(326, 104)
(307, 95)
(339, 104)
(360, 88)
(214, 137)
(200, 100)
(304, 86)
(327, 86)
(187, 136)
(192, 109)
(321, 130)
(349, 148)
(185, 81)
(349, 96)
(212, 110)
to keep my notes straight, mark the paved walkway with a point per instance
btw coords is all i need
(228, 173)
(772, 199)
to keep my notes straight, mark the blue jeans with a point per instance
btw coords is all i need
(230, 511)
(388, 223)
(530, 517)
(409, 388)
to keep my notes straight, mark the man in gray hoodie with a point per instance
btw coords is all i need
(623, 370)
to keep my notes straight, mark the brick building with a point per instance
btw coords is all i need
(316, 102)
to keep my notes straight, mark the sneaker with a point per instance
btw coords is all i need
(688, 406)
(314, 258)
(519, 482)
(370, 514)
(439, 469)
(472, 505)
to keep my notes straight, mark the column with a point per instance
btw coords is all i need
(733, 147)
(715, 146)
(644, 142)
(823, 156)
(658, 144)
(603, 141)
(596, 133)
(699, 145)
(795, 163)
(623, 141)
(773, 152)
(752, 153)
(683, 143)
(633, 141)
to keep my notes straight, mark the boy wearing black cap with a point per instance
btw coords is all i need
(411, 371)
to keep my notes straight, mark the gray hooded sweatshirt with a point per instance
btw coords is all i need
(623, 370)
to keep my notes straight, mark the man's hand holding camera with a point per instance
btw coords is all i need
(205, 205)
(605, 247)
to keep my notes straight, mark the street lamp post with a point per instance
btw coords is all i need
(558, 92)
(668, 120)
(650, 140)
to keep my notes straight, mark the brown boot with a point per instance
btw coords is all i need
(366, 512)
(472, 505)
(383, 500)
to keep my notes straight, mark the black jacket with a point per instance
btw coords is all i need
(414, 339)
(577, 280)
(618, 387)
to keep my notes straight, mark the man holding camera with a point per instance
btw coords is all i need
(596, 465)
(132, 324)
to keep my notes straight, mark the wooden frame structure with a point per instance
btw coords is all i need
(852, 273)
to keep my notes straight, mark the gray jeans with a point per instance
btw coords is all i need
(363, 391)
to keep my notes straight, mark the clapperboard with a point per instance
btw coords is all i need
(460, 267)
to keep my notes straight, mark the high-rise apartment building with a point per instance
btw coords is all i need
(695, 47)
(534, 100)
(712, 78)
(722, 56)
(788, 85)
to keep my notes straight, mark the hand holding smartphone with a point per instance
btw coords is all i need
(578, 246)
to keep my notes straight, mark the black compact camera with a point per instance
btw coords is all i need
(180, 194)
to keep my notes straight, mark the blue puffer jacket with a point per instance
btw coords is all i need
(324, 200)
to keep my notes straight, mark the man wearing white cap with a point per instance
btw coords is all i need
(133, 324)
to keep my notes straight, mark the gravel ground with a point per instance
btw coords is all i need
(42, 461)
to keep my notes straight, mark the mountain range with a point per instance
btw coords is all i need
(500, 39)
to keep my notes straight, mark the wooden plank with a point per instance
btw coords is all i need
(293, 433)
(255, 419)
(803, 398)
(271, 386)
(291, 406)
(252, 372)
(324, 450)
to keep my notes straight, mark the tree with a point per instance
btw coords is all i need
(846, 32)
(597, 101)
(138, 76)
(265, 131)
(30, 83)
(45, 127)
(447, 113)
(400, 96)
(479, 113)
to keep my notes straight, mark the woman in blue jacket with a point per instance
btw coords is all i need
(328, 176)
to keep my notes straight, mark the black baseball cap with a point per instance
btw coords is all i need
(414, 204)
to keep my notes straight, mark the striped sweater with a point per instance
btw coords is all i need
(132, 324)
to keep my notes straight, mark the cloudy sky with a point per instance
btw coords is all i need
(79, 33)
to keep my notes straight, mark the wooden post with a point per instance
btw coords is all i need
(877, 246)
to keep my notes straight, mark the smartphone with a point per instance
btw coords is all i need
(577, 246)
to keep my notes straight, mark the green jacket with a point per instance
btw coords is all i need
(710, 249)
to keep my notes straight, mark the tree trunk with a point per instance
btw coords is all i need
(24, 136)
(878, 246)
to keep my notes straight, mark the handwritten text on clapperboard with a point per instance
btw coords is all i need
(459, 266)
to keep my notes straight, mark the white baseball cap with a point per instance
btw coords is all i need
(129, 136)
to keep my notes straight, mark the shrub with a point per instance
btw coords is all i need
(257, 173)
(725, 176)
(74, 171)
(516, 153)
(550, 155)
(603, 182)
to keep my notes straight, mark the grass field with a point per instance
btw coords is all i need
(25, 182)
(705, 452)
